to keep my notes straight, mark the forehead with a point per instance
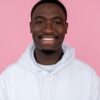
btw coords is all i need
(48, 9)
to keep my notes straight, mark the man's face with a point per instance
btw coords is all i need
(48, 27)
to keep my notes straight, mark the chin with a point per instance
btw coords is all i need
(48, 47)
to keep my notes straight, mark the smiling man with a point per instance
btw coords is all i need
(49, 70)
(48, 27)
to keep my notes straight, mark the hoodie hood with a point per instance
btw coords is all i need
(27, 60)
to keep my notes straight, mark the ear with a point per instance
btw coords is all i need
(66, 27)
(30, 27)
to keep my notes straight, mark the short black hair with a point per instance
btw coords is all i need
(57, 2)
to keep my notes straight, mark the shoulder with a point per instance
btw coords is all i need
(85, 69)
(10, 70)
(80, 67)
(88, 76)
(13, 70)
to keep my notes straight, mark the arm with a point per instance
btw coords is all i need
(95, 88)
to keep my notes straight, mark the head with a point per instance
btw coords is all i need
(48, 24)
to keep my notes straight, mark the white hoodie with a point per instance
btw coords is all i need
(70, 79)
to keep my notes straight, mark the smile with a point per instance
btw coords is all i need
(48, 39)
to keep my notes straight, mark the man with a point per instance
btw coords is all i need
(48, 70)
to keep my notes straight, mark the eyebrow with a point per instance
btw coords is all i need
(57, 17)
(41, 17)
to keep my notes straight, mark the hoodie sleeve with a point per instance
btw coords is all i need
(3, 91)
(95, 88)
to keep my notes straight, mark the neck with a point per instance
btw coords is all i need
(48, 57)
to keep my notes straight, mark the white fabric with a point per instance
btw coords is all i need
(71, 79)
(48, 68)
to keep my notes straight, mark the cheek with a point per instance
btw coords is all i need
(36, 28)
(61, 29)
(35, 32)
(34, 35)
(62, 38)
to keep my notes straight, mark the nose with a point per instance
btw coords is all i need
(49, 27)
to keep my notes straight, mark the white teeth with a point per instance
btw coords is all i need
(48, 39)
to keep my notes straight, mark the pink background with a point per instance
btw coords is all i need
(83, 32)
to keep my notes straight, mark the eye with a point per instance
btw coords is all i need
(57, 23)
(39, 22)
(58, 20)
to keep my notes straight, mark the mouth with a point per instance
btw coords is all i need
(48, 39)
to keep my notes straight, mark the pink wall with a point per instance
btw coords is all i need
(83, 32)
